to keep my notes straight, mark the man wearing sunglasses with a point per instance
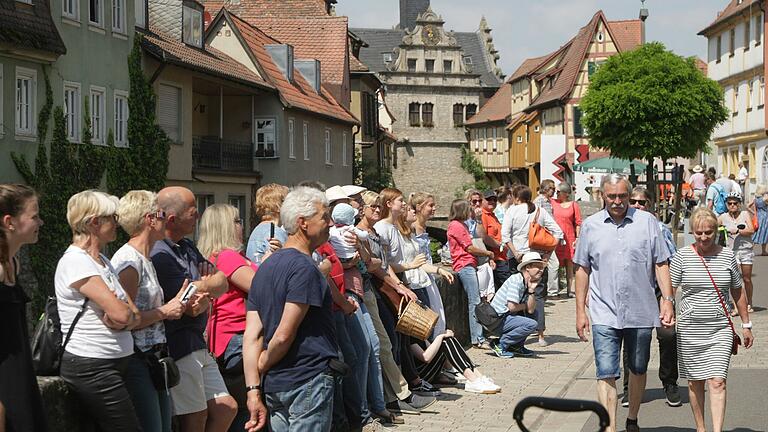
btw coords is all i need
(620, 259)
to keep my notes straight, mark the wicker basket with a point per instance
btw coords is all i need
(415, 319)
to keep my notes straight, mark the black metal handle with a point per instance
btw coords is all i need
(562, 405)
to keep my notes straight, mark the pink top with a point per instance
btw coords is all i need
(458, 242)
(697, 181)
(228, 313)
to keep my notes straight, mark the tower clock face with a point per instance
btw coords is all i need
(430, 35)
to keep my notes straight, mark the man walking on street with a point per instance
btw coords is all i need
(289, 305)
(620, 257)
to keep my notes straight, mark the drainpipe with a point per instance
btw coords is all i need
(765, 67)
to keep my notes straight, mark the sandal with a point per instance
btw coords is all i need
(749, 309)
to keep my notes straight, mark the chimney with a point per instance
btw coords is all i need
(409, 11)
(643, 16)
(282, 55)
(310, 70)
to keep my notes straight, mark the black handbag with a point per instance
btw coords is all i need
(488, 317)
(162, 368)
(47, 344)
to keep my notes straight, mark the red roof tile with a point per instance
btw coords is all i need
(324, 39)
(299, 93)
(702, 65)
(210, 60)
(497, 108)
(730, 11)
(248, 9)
(529, 66)
(626, 33)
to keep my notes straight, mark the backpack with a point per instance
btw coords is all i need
(47, 344)
(718, 205)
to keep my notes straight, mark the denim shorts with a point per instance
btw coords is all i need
(607, 343)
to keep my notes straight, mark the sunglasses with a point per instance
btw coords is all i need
(732, 203)
(637, 201)
(477, 201)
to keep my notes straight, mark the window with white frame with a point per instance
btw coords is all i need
(305, 140)
(97, 115)
(483, 138)
(265, 137)
(750, 83)
(169, 111)
(140, 12)
(761, 93)
(495, 138)
(291, 140)
(96, 12)
(72, 114)
(735, 101)
(344, 159)
(192, 30)
(328, 146)
(118, 16)
(121, 118)
(71, 9)
(26, 92)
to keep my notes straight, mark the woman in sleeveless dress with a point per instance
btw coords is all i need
(567, 215)
(759, 207)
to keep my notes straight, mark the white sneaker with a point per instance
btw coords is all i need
(480, 386)
(492, 384)
(460, 378)
(543, 342)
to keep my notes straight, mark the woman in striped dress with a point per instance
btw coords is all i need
(704, 335)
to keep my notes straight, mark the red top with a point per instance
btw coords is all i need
(458, 242)
(337, 271)
(493, 228)
(228, 311)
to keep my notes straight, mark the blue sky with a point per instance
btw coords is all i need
(530, 28)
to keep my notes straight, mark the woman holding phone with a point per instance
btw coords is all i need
(738, 223)
(268, 236)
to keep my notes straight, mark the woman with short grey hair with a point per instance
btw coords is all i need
(303, 202)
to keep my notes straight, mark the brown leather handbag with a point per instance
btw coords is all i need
(539, 238)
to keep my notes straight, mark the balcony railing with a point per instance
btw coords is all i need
(210, 152)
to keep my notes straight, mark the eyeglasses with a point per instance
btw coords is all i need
(159, 215)
(477, 201)
(238, 221)
(732, 203)
(613, 197)
(638, 201)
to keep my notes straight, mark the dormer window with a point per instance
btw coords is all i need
(467, 60)
(387, 57)
(192, 33)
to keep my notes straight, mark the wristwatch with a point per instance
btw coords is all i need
(746, 325)
(670, 299)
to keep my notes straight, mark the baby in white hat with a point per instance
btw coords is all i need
(344, 222)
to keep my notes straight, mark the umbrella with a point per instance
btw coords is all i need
(609, 164)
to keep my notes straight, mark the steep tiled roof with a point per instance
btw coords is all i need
(567, 70)
(299, 93)
(626, 33)
(355, 65)
(731, 11)
(248, 9)
(324, 39)
(382, 41)
(29, 27)
(497, 108)
(210, 60)
(521, 117)
(530, 65)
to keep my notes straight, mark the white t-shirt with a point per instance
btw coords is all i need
(389, 238)
(148, 297)
(91, 337)
(343, 249)
(517, 223)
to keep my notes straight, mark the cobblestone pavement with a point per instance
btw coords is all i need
(565, 368)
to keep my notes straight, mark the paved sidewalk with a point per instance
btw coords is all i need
(566, 369)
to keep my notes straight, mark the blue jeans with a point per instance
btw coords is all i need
(153, 407)
(468, 277)
(307, 408)
(515, 330)
(607, 343)
(355, 353)
(375, 384)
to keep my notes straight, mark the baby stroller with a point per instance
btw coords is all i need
(562, 405)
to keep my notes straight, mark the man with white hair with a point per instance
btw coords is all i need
(289, 313)
(621, 256)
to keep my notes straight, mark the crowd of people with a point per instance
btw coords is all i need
(296, 325)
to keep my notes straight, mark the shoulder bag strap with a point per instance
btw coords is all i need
(536, 216)
(717, 290)
(72, 327)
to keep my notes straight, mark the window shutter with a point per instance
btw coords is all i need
(578, 129)
(168, 111)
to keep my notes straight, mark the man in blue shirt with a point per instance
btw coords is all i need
(200, 400)
(620, 258)
(290, 337)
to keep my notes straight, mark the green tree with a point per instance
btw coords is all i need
(473, 166)
(650, 103)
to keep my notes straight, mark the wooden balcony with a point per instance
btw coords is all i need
(215, 154)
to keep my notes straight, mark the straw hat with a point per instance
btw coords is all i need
(529, 258)
(697, 169)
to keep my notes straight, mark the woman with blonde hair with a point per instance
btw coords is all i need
(707, 275)
(269, 235)
(221, 242)
(738, 224)
(94, 304)
(144, 222)
(20, 402)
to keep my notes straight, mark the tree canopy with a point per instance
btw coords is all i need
(649, 103)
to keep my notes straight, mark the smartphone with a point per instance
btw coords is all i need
(188, 293)
(741, 226)
(271, 230)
